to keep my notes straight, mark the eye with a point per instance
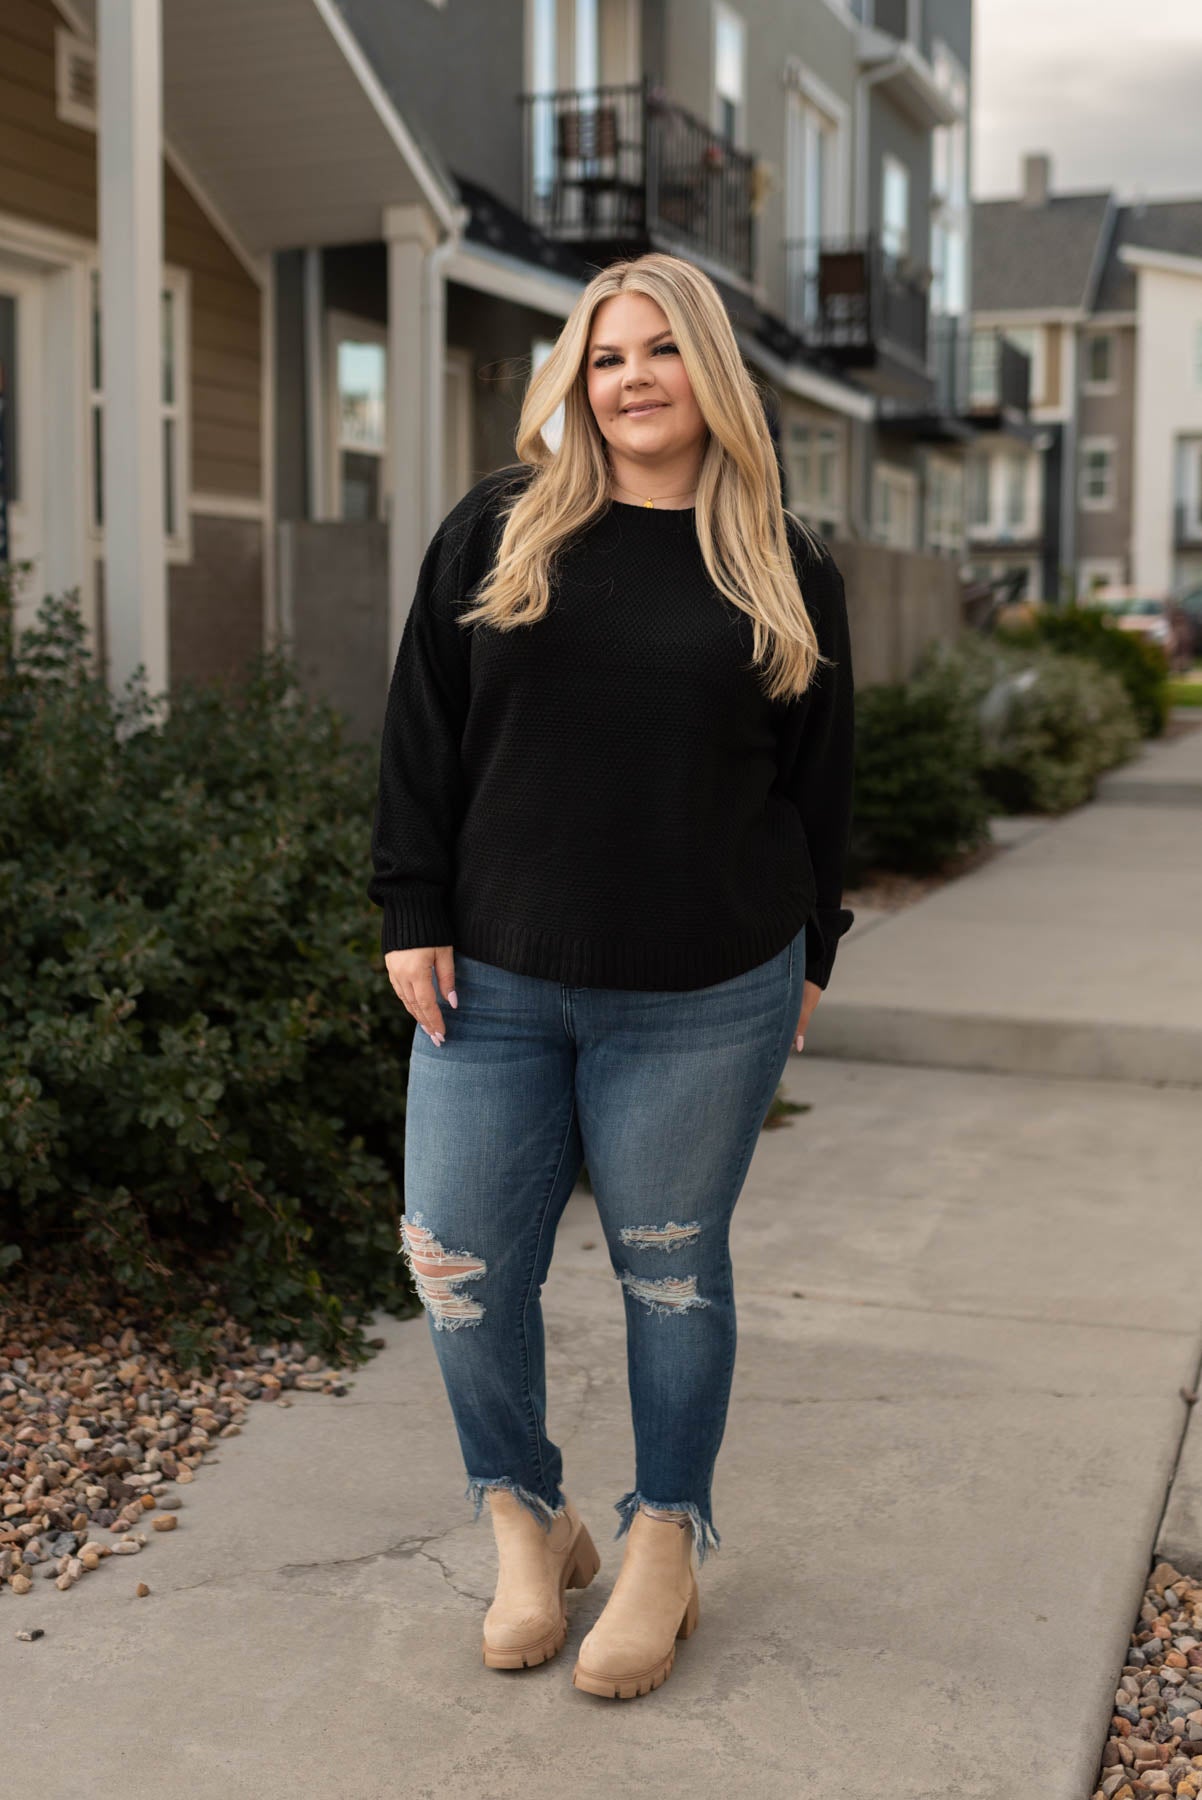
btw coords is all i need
(603, 362)
(666, 346)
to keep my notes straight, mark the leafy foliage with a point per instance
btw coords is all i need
(202, 1065)
(1049, 723)
(1088, 631)
(918, 801)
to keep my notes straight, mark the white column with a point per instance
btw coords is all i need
(415, 398)
(131, 260)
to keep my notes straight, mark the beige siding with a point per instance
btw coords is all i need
(48, 174)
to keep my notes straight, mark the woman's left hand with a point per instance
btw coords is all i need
(811, 993)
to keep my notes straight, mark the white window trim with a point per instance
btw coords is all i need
(903, 482)
(1085, 501)
(368, 331)
(178, 547)
(1099, 387)
(812, 508)
(721, 10)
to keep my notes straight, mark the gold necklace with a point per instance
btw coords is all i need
(650, 502)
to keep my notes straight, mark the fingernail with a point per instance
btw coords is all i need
(800, 1041)
(453, 997)
(439, 1038)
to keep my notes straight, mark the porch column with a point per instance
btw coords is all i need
(415, 400)
(131, 260)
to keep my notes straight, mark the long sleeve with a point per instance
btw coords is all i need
(817, 758)
(420, 799)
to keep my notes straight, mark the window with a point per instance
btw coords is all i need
(553, 429)
(813, 185)
(1187, 496)
(730, 61)
(814, 467)
(357, 417)
(895, 207)
(1097, 474)
(894, 496)
(945, 506)
(1029, 339)
(173, 408)
(977, 504)
(1016, 494)
(1099, 362)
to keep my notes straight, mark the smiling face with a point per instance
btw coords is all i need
(640, 394)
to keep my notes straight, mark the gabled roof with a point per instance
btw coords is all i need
(1173, 225)
(1025, 258)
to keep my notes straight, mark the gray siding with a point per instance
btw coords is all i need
(455, 72)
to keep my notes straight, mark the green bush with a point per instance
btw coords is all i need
(917, 798)
(1050, 723)
(202, 1065)
(1088, 631)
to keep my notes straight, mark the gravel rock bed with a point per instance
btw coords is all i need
(1155, 1741)
(99, 1428)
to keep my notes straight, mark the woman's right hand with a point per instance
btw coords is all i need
(410, 972)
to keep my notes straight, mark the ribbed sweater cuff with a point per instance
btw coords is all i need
(412, 921)
(823, 931)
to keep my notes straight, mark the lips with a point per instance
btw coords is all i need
(644, 406)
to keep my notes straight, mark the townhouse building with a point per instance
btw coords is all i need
(372, 219)
(1106, 299)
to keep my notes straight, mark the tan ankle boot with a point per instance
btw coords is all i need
(526, 1622)
(632, 1647)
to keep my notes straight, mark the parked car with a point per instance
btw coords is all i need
(1157, 617)
(1190, 603)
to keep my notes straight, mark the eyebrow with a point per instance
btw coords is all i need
(651, 340)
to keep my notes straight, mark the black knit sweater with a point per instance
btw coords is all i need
(606, 797)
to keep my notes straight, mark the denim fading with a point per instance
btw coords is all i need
(662, 1094)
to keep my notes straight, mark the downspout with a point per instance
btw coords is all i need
(434, 336)
(861, 497)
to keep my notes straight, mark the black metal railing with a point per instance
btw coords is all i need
(978, 370)
(626, 164)
(852, 297)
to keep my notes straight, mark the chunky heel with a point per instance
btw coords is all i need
(586, 1564)
(692, 1613)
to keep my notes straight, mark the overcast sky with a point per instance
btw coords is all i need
(1111, 89)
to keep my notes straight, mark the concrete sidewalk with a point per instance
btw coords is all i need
(1077, 951)
(955, 1413)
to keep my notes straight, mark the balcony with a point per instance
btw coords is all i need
(979, 374)
(853, 301)
(616, 171)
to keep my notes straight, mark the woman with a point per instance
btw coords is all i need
(615, 791)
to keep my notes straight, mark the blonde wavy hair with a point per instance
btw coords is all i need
(740, 516)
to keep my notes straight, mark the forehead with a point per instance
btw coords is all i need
(630, 316)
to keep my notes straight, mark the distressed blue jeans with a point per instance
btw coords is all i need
(662, 1094)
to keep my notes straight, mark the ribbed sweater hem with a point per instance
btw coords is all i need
(626, 962)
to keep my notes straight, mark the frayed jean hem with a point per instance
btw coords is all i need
(705, 1536)
(478, 1486)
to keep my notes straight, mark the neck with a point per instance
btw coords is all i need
(669, 483)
